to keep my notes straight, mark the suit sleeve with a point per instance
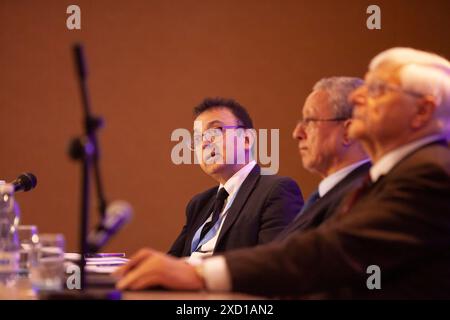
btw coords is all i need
(282, 204)
(401, 226)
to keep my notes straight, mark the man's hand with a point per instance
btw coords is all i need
(149, 268)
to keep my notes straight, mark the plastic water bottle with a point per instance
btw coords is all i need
(9, 241)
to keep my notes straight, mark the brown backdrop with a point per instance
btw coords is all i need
(150, 62)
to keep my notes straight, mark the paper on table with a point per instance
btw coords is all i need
(104, 264)
(101, 269)
(106, 261)
(73, 256)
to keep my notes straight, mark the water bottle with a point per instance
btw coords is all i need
(9, 240)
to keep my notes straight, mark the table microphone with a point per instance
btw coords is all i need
(25, 182)
(118, 213)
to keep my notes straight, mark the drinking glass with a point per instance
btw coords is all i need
(29, 240)
(48, 273)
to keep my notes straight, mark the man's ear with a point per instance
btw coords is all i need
(426, 107)
(346, 137)
(250, 138)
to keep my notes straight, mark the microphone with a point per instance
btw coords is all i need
(118, 213)
(25, 182)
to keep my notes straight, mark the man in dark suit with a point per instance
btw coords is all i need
(391, 236)
(254, 208)
(327, 150)
(396, 226)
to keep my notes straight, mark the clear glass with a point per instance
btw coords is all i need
(29, 241)
(9, 254)
(48, 273)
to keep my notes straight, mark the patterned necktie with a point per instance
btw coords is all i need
(218, 205)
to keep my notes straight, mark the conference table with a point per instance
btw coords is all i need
(23, 291)
(184, 295)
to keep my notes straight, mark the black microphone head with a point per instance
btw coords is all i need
(25, 182)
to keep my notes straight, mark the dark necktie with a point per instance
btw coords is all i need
(310, 201)
(293, 226)
(218, 205)
(356, 194)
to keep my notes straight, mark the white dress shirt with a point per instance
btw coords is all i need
(333, 179)
(390, 159)
(216, 274)
(232, 186)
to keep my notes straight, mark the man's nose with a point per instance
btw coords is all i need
(358, 97)
(299, 132)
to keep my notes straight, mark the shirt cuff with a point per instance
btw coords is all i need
(216, 274)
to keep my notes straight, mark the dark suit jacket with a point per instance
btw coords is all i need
(327, 205)
(263, 207)
(401, 224)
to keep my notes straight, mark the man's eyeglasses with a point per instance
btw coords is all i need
(305, 122)
(212, 134)
(377, 89)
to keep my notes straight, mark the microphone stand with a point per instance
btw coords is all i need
(86, 149)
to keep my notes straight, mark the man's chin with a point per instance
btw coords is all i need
(306, 165)
(213, 168)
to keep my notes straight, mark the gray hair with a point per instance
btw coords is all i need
(338, 89)
(422, 72)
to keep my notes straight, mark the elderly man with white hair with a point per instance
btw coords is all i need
(395, 226)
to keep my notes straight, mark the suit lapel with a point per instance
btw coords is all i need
(441, 142)
(203, 215)
(322, 204)
(241, 198)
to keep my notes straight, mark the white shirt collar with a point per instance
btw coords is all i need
(390, 159)
(333, 179)
(234, 183)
